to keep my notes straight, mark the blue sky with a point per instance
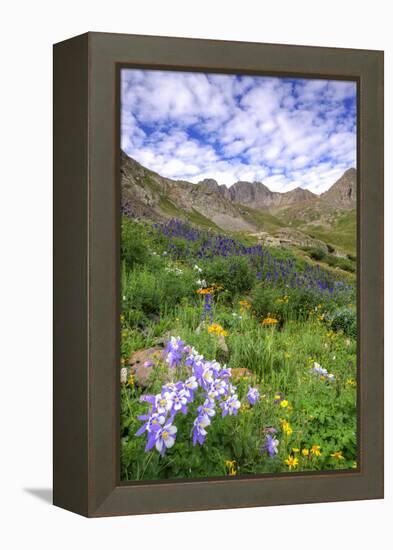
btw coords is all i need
(285, 132)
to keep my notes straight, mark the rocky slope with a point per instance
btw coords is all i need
(342, 193)
(244, 206)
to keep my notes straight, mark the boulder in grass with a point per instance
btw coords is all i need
(141, 364)
(222, 348)
(237, 374)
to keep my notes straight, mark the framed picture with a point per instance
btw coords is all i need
(218, 274)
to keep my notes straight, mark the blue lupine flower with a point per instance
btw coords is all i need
(207, 313)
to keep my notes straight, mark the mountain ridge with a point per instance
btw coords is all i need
(147, 194)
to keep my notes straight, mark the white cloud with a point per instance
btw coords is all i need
(195, 125)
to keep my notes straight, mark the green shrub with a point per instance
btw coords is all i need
(330, 248)
(284, 303)
(133, 250)
(234, 273)
(342, 263)
(317, 254)
(345, 320)
(152, 293)
(265, 302)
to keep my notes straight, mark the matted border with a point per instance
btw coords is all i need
(86, 301)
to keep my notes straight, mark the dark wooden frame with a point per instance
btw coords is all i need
(86, 282)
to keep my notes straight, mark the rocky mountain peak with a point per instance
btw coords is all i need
(343, 192)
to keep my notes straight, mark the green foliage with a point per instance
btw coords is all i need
(156, 292)
(317, 254)
(233, 273)
(344, 320)
(285, 304)
(132, 245)
(341, 235)
(342, 263)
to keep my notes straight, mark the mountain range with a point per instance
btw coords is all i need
(244, 206)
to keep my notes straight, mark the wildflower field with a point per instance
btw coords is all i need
(247, 357)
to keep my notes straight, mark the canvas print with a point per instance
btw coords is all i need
(238, 275)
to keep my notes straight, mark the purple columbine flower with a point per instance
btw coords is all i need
(190, 385)
(225, 373)
(180, 400)
(163, 439)
(217, 388)
(317, 369)
(193, 358)
(175, 351)
(198, 432)
(152, 423)
(205, 375)
(230, 406)
(252, 395)
(207, 409)
(163, 402)
(270, 446)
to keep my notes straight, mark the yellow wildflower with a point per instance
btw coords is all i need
(244, 304)
(338, 455)
(295, 450)
(204, 291)
(291, 462)
(210, 289)
(231, 465)
(284, 403)
(351, 382)
(215, 328)
(131, 381)
(286, 427)
(315, 450)
(269, 321)
(305, 452)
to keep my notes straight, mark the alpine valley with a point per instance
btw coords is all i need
(298, 219)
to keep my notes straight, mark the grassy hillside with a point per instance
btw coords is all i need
(263, 220)
(342, 234)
